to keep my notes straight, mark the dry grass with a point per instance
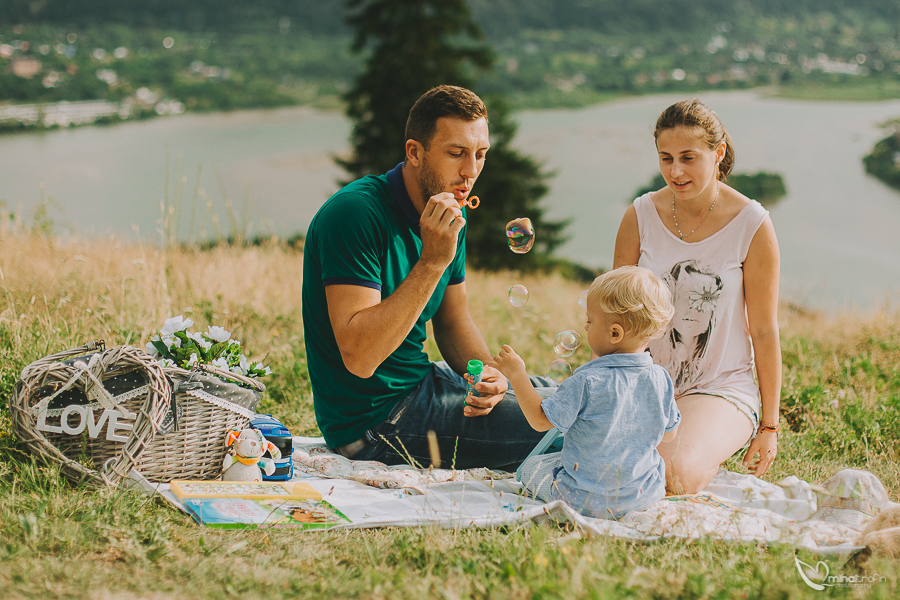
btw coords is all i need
(123, 292)
(531, 329)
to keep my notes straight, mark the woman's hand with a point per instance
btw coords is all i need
(765, 445)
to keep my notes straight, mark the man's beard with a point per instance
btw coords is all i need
(429, 182)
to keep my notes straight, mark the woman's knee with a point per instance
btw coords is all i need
(688, 473)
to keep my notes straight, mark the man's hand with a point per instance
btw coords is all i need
(440, 224)
(492, 387)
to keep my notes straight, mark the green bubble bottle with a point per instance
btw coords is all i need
(473, 376)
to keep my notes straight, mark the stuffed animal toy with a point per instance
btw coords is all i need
(245, 454)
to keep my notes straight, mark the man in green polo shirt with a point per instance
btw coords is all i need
(382, 257)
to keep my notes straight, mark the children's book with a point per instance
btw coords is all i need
(255, 513)
(285, 490)
(257, 505)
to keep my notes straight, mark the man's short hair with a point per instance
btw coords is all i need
(441, 101)
(642, 302)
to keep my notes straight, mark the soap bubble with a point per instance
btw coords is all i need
(567, 343)
(559, 370)
(518, 295)
(520, 235)
(582, 299)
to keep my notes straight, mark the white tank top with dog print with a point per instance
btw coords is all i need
(706, 348)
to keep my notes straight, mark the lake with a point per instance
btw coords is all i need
(837, 228)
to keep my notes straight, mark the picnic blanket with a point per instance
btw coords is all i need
(825, 519)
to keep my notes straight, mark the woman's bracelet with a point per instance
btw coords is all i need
(773, 427)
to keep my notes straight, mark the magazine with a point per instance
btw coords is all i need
(257, 505)
(251, 513)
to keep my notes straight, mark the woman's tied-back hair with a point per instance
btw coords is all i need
(639, 298)
(694, 114)
(442, 101)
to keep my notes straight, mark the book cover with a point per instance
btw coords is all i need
(283, 490)
(264, 513)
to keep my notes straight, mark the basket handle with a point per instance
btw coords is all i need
(95, 346)
(249, 381)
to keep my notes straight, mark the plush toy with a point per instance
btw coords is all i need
(245, 454)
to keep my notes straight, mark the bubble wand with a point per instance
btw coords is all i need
(472, 202)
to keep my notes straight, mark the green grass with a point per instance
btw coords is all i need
(841, 397)
(845, 89)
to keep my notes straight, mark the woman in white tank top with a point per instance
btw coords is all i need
(717, 251)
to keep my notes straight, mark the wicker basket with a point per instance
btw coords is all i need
(181, 417)
(123, 379)
(207, 403)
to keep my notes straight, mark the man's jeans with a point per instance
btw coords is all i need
(501, 438)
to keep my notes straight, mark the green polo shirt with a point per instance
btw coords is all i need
(366, 234)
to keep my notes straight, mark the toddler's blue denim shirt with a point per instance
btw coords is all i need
(613, 412)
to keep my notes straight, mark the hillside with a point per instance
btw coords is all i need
(498, 17)
(162, 56)
(840, 402)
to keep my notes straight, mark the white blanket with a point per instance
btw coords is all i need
(733, 507)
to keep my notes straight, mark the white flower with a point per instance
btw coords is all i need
(234, 343)
(236, 369)
(261, 369)
(244, 364)
(198, 337)
(193, 361)
(168, 342)
(175, 324)
(166, 362)
(151, 350)
(218, 334)
(221, 362)
(175, 342)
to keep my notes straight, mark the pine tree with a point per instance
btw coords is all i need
(413, 46)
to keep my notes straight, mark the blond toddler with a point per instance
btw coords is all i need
(613, 411)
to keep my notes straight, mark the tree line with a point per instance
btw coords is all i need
(496, 17)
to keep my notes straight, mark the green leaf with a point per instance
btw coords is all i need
(162, 349)
(218, 349)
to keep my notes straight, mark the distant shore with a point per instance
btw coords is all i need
(38, 117)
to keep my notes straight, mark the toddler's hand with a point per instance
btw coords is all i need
(508, 362)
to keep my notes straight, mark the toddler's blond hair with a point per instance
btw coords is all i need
(641, 300)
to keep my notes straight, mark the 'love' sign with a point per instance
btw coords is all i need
(117, 419)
